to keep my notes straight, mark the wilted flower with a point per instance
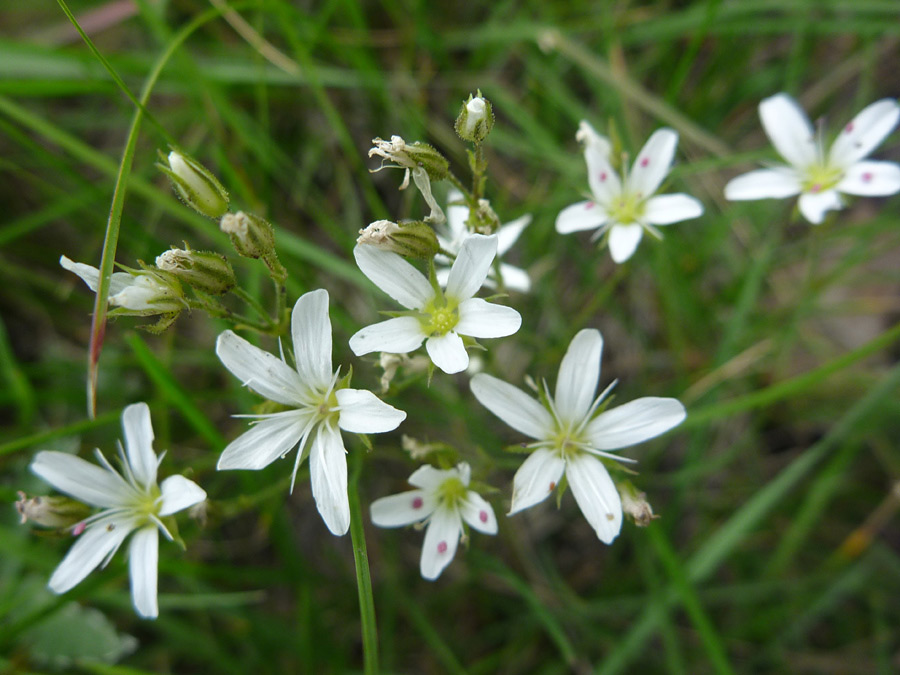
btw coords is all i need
(419, 160)
(818, 178)
(206, 271)
(139, 293)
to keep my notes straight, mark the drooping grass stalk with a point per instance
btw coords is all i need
(363, 576)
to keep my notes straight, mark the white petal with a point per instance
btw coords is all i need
(266, 441)
(447, 352)
(635, 422)
(513, 406)
(596, 495)
(264, 373)
(653, 162)
(536, 479)
(871, 179)
(515, 278)
(91, 276)
(139, 443)
(364, 413)
(311, 331)
(405, 508)
(789, 129)
(476, 511)
(579, 373)
(865, 132)
(429, 479)
(91, 548)
(814, 205)
(509, 233)
(399, 335)
(393, 275)
(179, 493)
(668, 209)
(81, 480)
(581, 216)
(457, 215)
(442, 274)
(603, 179)
(328, 474)
(471, 266)
(441, 540)
(764, 184)
(482, 319)
(623, 241)
(143, 559)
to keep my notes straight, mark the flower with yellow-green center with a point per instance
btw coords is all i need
(443, 500)
(820, 178)
(321, 406)
(438, 316)
(627, 206)
(571, 437)
(132, 501)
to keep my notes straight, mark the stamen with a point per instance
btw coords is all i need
(442, 547)
(603, 176)
(849, 128)
(867, 177)
(589, 205)
(645, 161)
(417, 503)
(552, 486)
(483, 516)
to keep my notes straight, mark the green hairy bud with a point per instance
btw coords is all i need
(412, 240)
(411, 156)
(206, 271)
(194, 184)
(251, 236)
(476, 119)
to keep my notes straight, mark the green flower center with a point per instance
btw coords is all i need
(327, 407)
(452, 492)
(821, 177)
(148, 504)
(439, 320)
(627, 208)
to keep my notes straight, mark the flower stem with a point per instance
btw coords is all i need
(363, 577)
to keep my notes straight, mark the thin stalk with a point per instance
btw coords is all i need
(363, 577)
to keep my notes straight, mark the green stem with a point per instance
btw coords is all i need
(458, 184)
(250, 300)
(363, 577)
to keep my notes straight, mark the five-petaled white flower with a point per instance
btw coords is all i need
(439, 316)
(322, 407)
(570, 437)
(452, 236)
(627, 206)
(819, 178)
(444, 501)
(133, 503)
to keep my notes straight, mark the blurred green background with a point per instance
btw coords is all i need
(778, 549)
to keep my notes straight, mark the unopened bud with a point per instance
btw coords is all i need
(150, 292)
(57, 512)
(412, 240)
(476, 119)
(251, 236)
(194, 184)
(206, 271)
(410, 156)
(635, 504)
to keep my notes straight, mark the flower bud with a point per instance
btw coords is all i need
(412, 240)
(194, 184)
(476, 119)
(206, 271)
(56, 512)
(150, 292)
(251, 236)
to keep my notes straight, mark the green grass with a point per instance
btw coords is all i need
(777, 549)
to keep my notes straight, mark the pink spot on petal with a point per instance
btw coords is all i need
(417, 503)
(848, 128)
(816, 188)
(589, 205)
(645, 161)
(78, 529)
(482, 516)
(603, 176)
(442, 547)
(867, 177)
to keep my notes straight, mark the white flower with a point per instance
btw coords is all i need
(819, 178)
(626, 207)
(321, 407)
(133, 503)
(438, 317)
(570, 436)
(452, 236)
(143, 293)
(444, 501)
